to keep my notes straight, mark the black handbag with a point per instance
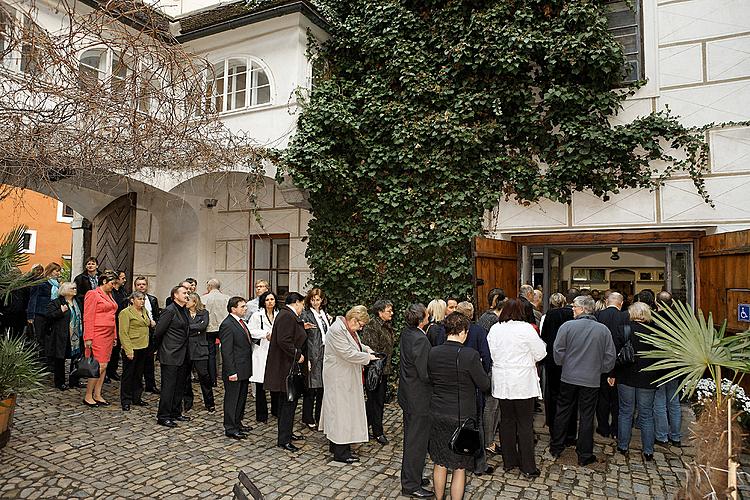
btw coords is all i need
(626, 356)
(374, 371)
(88, 367)
(465, 439)
(294, 380)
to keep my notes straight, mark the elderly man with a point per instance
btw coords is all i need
(261, 287)
(216, 305)
(526, 294)
(585, 349)
(607, 407)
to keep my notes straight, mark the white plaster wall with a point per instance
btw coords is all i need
(697, 55)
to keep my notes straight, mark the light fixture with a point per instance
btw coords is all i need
(615, 254)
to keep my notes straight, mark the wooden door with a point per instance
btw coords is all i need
(723, 276)
(495, 266)
(113, 235)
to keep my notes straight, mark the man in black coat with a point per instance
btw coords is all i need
(414, 394)
(152, 308)
(237, 366)
(613, 317)
(553, 320)
(171, 337)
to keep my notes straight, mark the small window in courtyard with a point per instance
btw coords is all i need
(92, 69)
(29, 241)
(269, 260)
(625, 24)
(17, 52)
(239, 83)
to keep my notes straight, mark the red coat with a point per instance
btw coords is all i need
(99, 311)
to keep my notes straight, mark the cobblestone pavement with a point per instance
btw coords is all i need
(61, 449)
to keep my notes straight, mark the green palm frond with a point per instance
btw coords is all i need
(12, 258)
(686, 345)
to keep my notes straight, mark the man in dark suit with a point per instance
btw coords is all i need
(237, 366)
(553, 320)
(171, 337)
(414, 394)
(613, 317)
(151, 305)
(287, 346)
(87, 280)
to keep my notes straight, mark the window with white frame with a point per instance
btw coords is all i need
(107, 67)
(626, 25)
(17, 50)
(64, 212)
(238, 83)
(29, 241)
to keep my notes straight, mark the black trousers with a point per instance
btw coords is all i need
(235, 396)
(114, 359)
(416, 438)
(286, 418)
(340, 451)
(58, 370)
(517, 433)
(40, 332)
(553, 373)
(374, 406)
(312, 403)
(187, 390)
(211, 336)
(261, 403)
(149, 370)
(131, 388)
(584, 399)
(607, 409)
(172, 385)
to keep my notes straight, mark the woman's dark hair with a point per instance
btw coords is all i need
(262, 301)
(106, 277)
(234, 302)
(456, 323)
(513, 310)
(495, 298)
(294, 297)
(414, 315)
(92, 259)
(381, 305)
(316, 292)
(52, 267)
(647, 297)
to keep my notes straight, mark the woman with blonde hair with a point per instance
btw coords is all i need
(343, 417)
(435, 330)
(64, 334)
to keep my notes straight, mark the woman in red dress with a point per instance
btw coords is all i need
(99, 309)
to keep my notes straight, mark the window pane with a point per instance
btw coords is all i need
(264, 95)
(26, 241)
(281, 254)
(7, 16)
(262, 254)
(91, 69)
(262, 78)
(239, 100)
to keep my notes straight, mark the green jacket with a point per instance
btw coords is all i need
(133, 329)
(378, 335)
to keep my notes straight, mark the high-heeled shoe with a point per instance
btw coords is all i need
(102, 403)
(90, 405)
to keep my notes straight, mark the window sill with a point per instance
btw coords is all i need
(251, 109)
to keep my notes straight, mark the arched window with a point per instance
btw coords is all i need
(239, 83)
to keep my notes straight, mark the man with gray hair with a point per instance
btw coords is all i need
(584, 349)
(216, 305)
(607, 408)
(526, 295)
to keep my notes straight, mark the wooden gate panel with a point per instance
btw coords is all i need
(113, 235)
(496, 264)
(724, 275)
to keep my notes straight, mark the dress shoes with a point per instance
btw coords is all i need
(587, 461)
(347, 460)
(210, 409)
(63, 387)
(245, 428)
(662, 443)
(235, 435)
(418, 493)
(533, 474)
(126, 407)
(676, 444)
(102, 403)
(182, 418)
(289, 447)
(141, 403)
(90, 405)
(295, 437)
(382, 440)
(312, 427)
(648, 457)
(167, 423)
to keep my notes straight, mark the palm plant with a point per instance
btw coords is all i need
(12, 258)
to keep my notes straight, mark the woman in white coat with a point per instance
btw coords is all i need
(515, 348)
(260, 326)
(343, 419)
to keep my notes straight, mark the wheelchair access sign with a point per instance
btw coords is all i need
(743, 313)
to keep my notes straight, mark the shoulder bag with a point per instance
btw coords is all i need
(465, 439)
(294, 380)
(626, 356)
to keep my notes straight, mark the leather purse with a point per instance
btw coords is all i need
(465, 439)
(294, 380)
(374, 371)
(626, 356)
(88, 367)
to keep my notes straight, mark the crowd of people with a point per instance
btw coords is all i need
(494, 369)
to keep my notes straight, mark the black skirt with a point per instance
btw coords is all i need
(443, 427)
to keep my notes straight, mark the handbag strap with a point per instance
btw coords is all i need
(294, 362)
(458, 390)
(626, 332)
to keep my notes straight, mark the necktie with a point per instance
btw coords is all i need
(247, 332)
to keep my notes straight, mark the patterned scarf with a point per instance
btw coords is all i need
(55, 288)
(75, 330)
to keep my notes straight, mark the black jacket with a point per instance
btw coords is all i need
(236, 349)
(435, 333)
(198, 342)
(57, 340)
(613, 319)
(414, 387)
(552, 323)
(171, 335)
(450, 382)
(633, 375)
(288, 342)
(315, 350)
(83, 285)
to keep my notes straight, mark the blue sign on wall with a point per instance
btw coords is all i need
(743, 312)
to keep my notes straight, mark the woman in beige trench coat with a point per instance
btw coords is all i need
(343, 419)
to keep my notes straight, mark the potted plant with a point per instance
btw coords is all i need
(687, 347)
(20, 372)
